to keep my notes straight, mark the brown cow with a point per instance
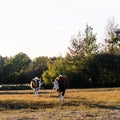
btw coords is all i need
(61, 84)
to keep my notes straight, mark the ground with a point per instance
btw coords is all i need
(79, 104)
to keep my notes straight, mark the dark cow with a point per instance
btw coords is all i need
(61, 84)
(36, 84)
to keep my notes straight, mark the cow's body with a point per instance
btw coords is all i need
(61, 84)
(36, 84)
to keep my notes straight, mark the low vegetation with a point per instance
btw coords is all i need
(79, 104)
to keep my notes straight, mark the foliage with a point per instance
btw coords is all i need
(20, 69)
(55, 68)
(82, 46)
(112, 41)
(13, 66)
(104, 70)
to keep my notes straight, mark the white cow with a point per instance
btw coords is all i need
(36, 84)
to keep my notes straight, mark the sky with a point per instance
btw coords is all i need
(45, 27)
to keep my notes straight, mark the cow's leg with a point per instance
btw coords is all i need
(36, 92)
(33, 91)
(59, 95)
(62, 98)
(62, 95)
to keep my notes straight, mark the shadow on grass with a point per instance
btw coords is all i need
(7, 92)
(15, 105)
(102, 106)
(92, 104)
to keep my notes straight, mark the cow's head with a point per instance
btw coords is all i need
(56, 82)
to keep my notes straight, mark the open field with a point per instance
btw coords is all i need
(79, 104)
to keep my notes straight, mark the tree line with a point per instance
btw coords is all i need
(87, 64)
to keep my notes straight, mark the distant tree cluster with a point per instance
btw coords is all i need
(20, 69)
(85, 65)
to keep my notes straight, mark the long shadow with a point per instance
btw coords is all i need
(7, 92)
(14, 105)
(91, 104)
(101, 105)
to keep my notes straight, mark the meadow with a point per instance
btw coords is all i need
(79, 104)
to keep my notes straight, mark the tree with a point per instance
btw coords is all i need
(2, 62)
(112, 41)
(90, 46)
(14, 67)
(104, 70)
(56, 68)
(39, 65)
(76, 48)
(20, 61)
(82, 46)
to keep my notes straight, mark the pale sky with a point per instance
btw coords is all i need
(44, 27)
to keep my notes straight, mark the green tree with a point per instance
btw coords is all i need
(104, 70)
(2, 62)
(20, 61)
(89, 44)
(14, 66)
(56, 68)
(40, 64)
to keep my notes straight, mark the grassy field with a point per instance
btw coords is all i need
(79, 104)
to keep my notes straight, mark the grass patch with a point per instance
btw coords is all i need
(83, 104)
(80, 98)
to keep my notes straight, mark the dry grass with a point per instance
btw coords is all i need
(79, 104)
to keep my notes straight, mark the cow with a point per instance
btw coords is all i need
(36, 84)
(60, 84)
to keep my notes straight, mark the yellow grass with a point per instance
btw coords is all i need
(83, 103)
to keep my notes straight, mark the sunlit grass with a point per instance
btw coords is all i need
(83, 103)
(78, 99)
